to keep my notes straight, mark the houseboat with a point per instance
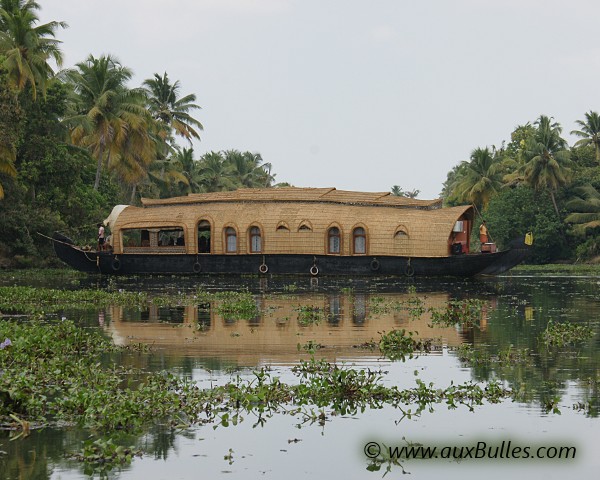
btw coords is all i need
(310, 231)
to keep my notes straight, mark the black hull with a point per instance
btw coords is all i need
(467, 265)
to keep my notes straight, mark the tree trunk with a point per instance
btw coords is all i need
(98, 169)
(132, 200)
(554, 203)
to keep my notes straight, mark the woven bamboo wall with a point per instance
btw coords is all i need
(428, 228)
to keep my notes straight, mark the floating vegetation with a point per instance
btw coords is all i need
(511, 355)
(566, 333)
(400, 344)
(508, 356)
(310, 347)
(52, 373)
(466, 353)
(101, 456)
(463, 312)
(233, 305)
(31, 301)
(56, 373)
(309, 315)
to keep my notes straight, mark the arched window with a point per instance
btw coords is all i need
(230, 240)
(401, 233)
(333, 240)
(359, 241)
(204, 236)
(255, 240)
(305, 226)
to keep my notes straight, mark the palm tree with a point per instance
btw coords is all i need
(136, 152)
(10, 115)
(398, 191)
(585, 208)
(214, 174)
(170, 111)
(27, 47)
(547, 158)
(184, 157)
(169, 177)
(7, 164)
(248, 169)
(479, 179)
(589, 133)
(109, 119)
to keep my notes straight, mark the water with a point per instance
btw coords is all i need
(200, 343)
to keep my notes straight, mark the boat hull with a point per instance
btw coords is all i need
(465, 265)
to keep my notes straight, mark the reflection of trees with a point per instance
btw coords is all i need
(30, 457)
(160, 441)
(544, 376)
(36, 456)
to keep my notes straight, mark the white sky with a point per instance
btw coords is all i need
(354, 94)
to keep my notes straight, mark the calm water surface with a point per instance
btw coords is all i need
(199, 343)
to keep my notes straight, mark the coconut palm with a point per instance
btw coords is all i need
(131, 161)
(27, 46)
(589, 133)
(7, 164)
(547, 158)
(171, 112)
(189, 167)
(214, 174)
(248, 169)
(109, 119)
(479, 179)
(585, 209)
(398, 191)
(169, 177)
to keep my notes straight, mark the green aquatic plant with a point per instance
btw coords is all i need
(309, 315)
(508, 356)
(30, 300)
(565, 333)
(400, 345)
(101, 456)
(464, 312)
(56, 372)
(467, 354)
(310, 347)
(234, 305)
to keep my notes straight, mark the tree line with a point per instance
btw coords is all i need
(75, 142)
(536, 182)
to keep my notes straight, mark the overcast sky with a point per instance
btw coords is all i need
(354, 94)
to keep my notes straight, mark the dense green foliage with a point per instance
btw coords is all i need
(73, 145)
(537, 184)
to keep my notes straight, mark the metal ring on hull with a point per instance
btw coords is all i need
(375, 265)
(314, 270)
(197, 267)
(263, 268)
(116, 264)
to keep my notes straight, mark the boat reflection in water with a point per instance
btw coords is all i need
(338, 322)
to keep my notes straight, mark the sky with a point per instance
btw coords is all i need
(353, 94)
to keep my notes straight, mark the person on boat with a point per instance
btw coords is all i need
(100, 237)
(483, 233)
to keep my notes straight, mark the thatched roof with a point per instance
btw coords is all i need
(296, 194)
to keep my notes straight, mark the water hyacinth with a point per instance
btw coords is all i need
(5, 343)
